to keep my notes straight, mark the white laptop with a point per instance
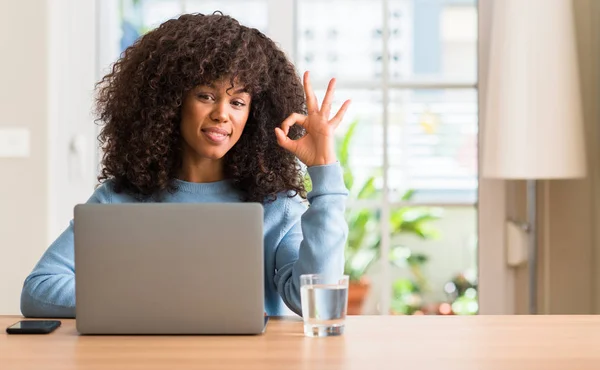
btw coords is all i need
(169, 268)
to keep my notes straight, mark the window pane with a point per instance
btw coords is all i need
(340, 38)
(434, 254)
(251, 13)
(358, 140)
(155, 12)
(433, 144)
(433, 40)
(139, 17)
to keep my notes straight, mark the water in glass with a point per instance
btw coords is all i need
(324, 309)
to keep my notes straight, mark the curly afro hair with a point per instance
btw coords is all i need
(139, 105)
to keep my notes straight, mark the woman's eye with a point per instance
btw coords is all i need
(238, 103)
(204, 97)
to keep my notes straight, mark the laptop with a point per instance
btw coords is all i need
(169, 268)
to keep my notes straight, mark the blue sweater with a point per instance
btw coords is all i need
(297, 240)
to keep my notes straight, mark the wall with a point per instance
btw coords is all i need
(568, 285)
(496, 280)
(569, 210)
(48, 69)
(23, 181)
(516, 201)
(594, 114)
(72, 61)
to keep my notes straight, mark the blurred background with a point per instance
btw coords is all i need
(428, 233)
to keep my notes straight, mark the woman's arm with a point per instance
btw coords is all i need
(315, 243)
(317, 236)
(49, 290)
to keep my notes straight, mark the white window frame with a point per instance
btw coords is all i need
(384, 205)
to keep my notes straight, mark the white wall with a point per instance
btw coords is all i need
(47, 74)
(72, 58)
(23, 181)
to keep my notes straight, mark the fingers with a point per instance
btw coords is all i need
(326, 106)
(291, 120)
(335, 121)
(282, 133)
(312, 105)
(283, 140)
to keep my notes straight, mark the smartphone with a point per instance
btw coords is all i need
(33, 327)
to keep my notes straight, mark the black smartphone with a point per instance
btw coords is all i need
(33, 327)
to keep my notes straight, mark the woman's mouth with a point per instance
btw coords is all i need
(215, 135)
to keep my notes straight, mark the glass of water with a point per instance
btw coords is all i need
(324, 304)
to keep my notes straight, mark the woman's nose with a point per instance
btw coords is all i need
(219, 113)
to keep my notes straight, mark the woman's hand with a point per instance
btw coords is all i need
(317, 147)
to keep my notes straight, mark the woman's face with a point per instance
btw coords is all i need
(213, 118)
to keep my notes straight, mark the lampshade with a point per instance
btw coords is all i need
(533, 125)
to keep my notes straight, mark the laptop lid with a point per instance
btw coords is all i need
(169, 268)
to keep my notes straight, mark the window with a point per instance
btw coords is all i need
(410, 67)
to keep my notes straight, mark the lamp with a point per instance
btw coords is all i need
(533, 125)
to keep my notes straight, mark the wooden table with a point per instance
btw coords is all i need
(370, 342)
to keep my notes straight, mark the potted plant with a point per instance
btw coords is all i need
(364, 235)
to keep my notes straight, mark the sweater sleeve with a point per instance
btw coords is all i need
(49, 290)
(315, 240)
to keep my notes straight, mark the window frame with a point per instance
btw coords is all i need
(384, 205)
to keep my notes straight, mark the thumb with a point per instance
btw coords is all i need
(282, 138)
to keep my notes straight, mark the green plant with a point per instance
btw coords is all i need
(407, 291)
(461, 291)
(364, 237)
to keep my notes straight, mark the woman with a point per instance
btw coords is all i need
(203, 109)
